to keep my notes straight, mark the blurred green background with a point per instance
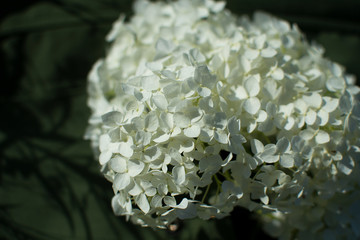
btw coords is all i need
(50, 185)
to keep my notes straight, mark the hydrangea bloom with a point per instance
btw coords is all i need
(196, 111)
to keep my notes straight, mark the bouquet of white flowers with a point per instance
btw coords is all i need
(196, 111)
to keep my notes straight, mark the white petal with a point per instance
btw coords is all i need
(151, 122)
(163, 189)
(181, 120)
(330, 104)
(289, 123)
(322, 137)
(313, 99)
(163, 46)
(196, 56)
(105, 157)
(286, 161)
(156, 201)
(262, 116)
(204, 92)
(187, 145)
(283, 145)
(121, 181)
(154, 66)
(310, 117)
(346, 165)
(135, 167)
(135, 190)
(183, 204)
(256, 146)
(166, 121)
(112, 119)
(234, 125)
(150, 191)
(104, 142)
(277, 74)
(268, 52)
(251, 53)
(335, 84)
(150, 83)
(125, 149)
(252, 85)
(252, 105)
(323, 116)
(142, 202)
(162, 138)
(203, 76)
(346, 102)
(170, 201)
(221, 136)
(269, 158)
(245, 64)
(118, 164)
(307, 134)
(212, 162)
(160, 101)
(220, 120)
(178, 173)
(192, 132)
(259, 41)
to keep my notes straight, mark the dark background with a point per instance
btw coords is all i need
(50, 186)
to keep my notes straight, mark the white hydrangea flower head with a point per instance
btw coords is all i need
(196, 111)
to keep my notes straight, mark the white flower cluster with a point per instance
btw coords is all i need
(195, 111)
